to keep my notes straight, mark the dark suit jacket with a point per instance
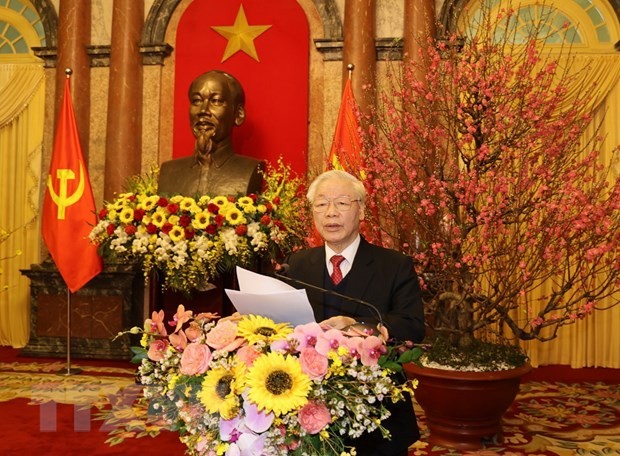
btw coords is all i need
(380, 276)
(386, 279)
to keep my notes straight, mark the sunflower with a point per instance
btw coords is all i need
(234, 216)
(188, 204)
(255, 328)
(220, 201)
(244, 201)
(177, 234)
(277, 384)
(221, 389)
(149, 202)
(126, 215)
(201, 220)
(158, 218)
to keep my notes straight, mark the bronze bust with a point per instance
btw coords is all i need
(217, 105)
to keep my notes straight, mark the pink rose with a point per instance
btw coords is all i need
(313, 363)
(247, 354)
(157, 349)
(314, 416)
(195, 359)
(224, 336)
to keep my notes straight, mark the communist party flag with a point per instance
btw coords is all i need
(346, 148)
(68, 205)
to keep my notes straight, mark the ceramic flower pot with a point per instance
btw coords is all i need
(465, 409)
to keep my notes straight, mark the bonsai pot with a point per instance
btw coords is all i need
(464, 409)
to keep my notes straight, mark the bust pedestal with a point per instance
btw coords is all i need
(111, 302)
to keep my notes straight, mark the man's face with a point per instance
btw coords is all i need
(338, 228)
(212, 111)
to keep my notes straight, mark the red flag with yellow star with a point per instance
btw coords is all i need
(68, 206)
(264, 45)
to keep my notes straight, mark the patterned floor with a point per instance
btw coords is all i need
(547, 418)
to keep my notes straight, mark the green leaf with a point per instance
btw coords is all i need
(411, 355)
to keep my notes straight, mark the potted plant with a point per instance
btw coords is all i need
(480, 171)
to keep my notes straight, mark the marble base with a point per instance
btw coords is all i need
(110, 303)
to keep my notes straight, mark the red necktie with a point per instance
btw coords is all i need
(337, 274)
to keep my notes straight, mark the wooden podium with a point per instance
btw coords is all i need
(110, 303)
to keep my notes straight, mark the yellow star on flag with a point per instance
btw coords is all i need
(241, 36)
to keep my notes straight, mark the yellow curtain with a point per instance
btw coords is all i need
(594, 341)
(22, 91)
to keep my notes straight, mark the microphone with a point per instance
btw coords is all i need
(360, 325)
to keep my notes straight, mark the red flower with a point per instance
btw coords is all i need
(138, 214)
(231, 199)
(189, 233)
(167, 227)
(173, 208)
(130, 230)
(219, 219)
(162, 202)
(265, 220)
(253, 196)
(110, 229)
(269, 207)
(211, 229)
(103, 212)
(185, 220)
(151, 229)
(213, 208)
(276, 200)
(241, 230)
(281, 226)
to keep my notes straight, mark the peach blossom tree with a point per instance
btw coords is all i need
(479, 170)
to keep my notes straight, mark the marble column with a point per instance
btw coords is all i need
(73, 40)
(419, 26)
(359, 49)
(124, 123)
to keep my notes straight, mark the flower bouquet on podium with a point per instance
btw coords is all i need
(191, 240)
(247, 385)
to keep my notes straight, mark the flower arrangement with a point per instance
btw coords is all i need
(247, 385)
(192, 240)
(511, 213)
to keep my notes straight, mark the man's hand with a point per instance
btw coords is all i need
(337, 322)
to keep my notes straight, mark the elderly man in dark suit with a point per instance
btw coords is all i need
(349, 265)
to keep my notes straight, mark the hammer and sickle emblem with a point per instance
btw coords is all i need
(61, 198)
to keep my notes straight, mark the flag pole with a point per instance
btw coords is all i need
(350, 68)
(69, 370)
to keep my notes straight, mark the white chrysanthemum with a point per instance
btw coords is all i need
(253, 228)
(259, 241)
(230, 240)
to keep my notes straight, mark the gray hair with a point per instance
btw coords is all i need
(358, 187)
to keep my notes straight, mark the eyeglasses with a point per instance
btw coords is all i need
(342, 204)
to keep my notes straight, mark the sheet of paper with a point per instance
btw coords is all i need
(270, 297)
(282, 307)
(252, 282)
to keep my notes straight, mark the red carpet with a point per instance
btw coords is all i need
(559, 411)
